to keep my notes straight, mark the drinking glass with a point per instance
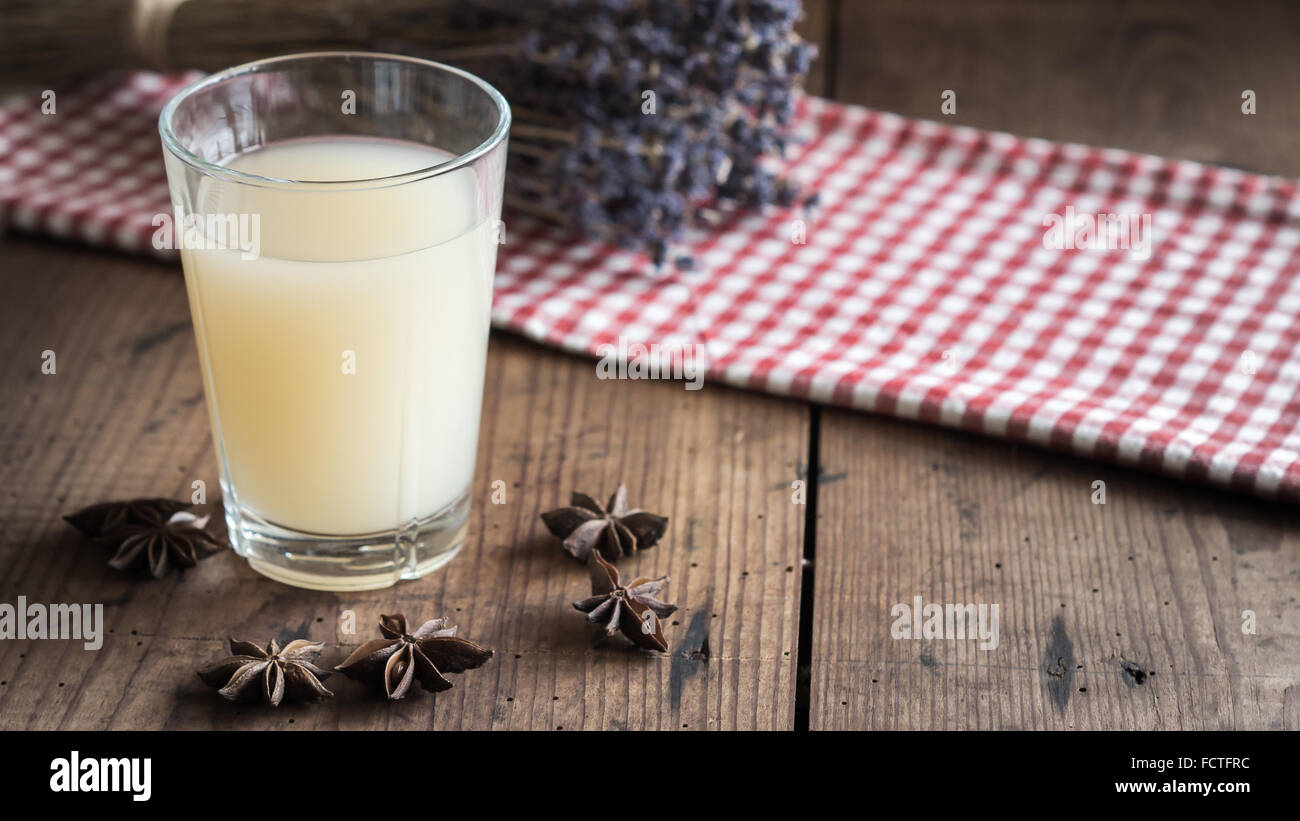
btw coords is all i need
(337, 217)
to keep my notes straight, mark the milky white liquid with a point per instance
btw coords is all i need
(396, 279)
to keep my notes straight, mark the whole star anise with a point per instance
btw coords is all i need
(272, 675)
(97, 520)
(632, 609)
(151, 534)
(613, 532)
(426, 654)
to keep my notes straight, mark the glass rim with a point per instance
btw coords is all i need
(173, 145)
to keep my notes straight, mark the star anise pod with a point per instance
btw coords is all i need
(272, 675)
(632, 608)
(151, 534)
(613, 532)
(97, 520)
(426, 654)
(154, 547)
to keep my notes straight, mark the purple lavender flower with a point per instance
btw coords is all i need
(593, 148)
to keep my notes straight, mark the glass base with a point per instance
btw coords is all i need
(349, 563)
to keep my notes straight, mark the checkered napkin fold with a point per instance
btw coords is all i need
(955, 276)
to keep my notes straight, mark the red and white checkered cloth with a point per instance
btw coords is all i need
(924, 288)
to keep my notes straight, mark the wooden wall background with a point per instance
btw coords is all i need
(1159, 76)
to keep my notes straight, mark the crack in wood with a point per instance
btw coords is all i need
(1058, 664)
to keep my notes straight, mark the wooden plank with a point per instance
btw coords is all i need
(124, 416)
(1160, 76)
(1127, 615)
(817, 27)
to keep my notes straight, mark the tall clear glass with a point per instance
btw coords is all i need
(337, 216)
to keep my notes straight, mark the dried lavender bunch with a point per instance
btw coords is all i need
(591, 148)
(723, 74)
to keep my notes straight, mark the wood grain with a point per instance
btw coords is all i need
(1123, 615)
(124, 416)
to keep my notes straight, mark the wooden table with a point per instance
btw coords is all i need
(1127, 615)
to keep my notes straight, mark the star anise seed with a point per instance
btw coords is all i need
(271, 675)
(612, 531)
(399, 657)
(632, 608)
